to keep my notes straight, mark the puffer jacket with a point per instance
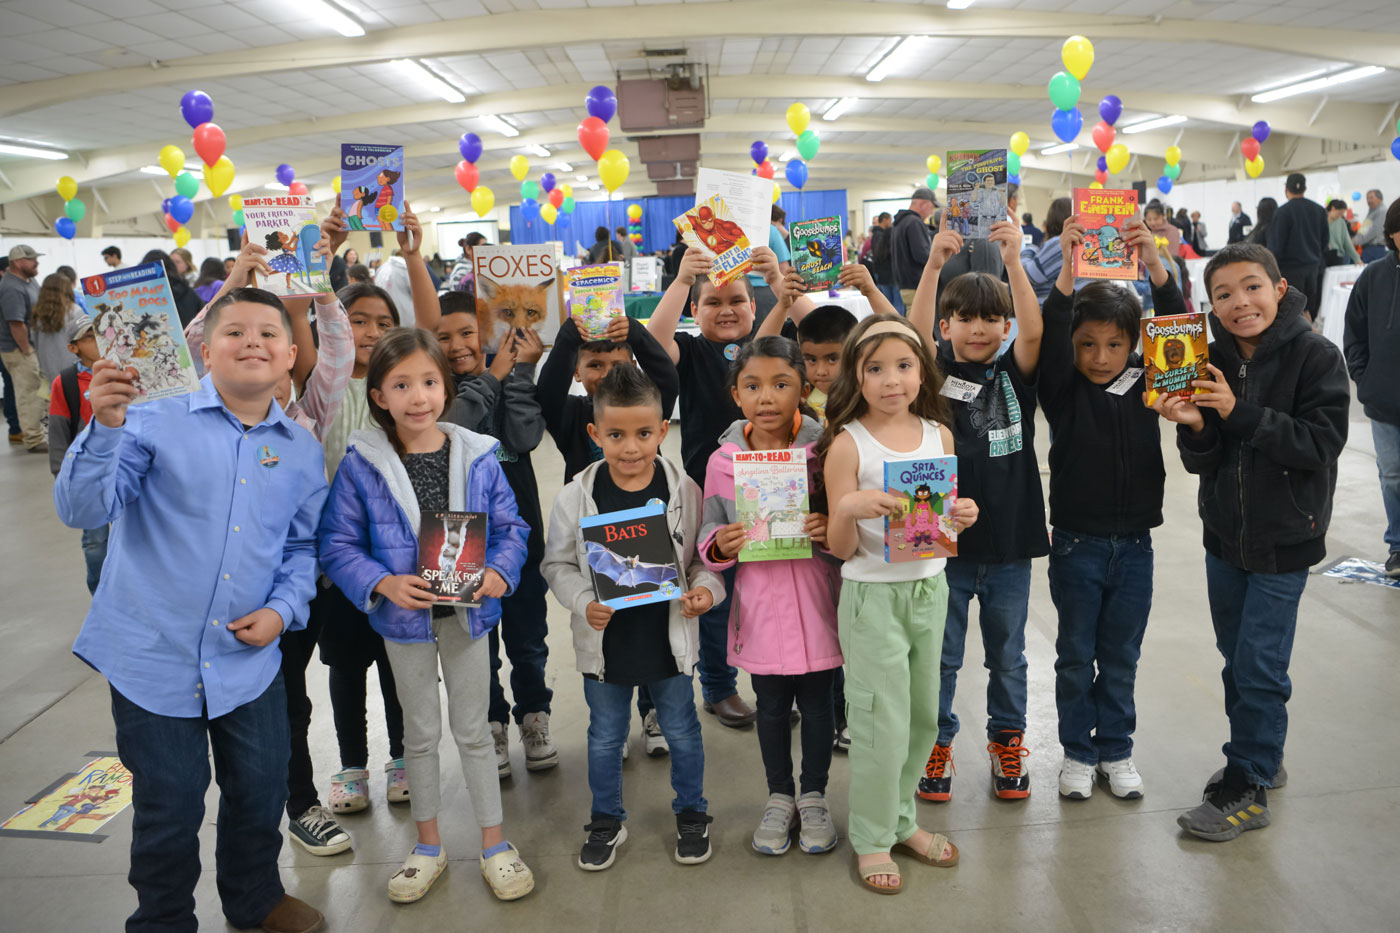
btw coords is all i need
(782, 614)
(369, 529)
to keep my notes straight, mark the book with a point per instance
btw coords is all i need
(595, 297)
(976, 191)
(452, 555)
(646, 274)
(770, 498)
(928, 490)
(518, 286)
(818, 251)
(1105, 254)
(631, 557)
(1174, 352)
(731, 216)
(137, 326)
(371, 179)
(286, 226)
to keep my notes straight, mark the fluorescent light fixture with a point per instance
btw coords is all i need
(1155, 124)
(326, 13)
(29, 152)
(960, 4)
(276, 186)
(429, 81)
(787, 156)
(580, 178)
(592, 186)
(564, 166)
(157, 170)
(434, 210)
(500, 126)
(1317, 84)
(840, 107)
(538, 150)
(906, 51)
(1062, 147)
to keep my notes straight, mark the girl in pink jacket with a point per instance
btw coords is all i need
(782, 621)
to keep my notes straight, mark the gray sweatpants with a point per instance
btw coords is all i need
(466, 672)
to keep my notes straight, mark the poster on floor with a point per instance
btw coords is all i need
(76, 806)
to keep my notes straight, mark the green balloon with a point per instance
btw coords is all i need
(568, 206)
(75, 210)
(186, 184)
(807, 145)
(932, 180)
(1172, 171)
(529, 189)
(238, 217)
(1064, 90)
(1013, 163)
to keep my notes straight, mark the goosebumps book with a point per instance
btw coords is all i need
(770, 498)
(976, 191)
(924, 527)
(138, 328)
(452, 555)
(1105, 254)
(595, 297)
(631, 557)
(286, 226)
(1174, 352)
(817, 251)
(371, 186)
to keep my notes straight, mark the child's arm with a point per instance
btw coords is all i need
(790, 290)
(669, 309)
(847, 502)
(325, 387)
(923, 314)
(571, 584)
(249, 263)
(426, 310)
(506, 531)
(557, 377)
(706, 588)
(655, 363)
(718, 539)
(1356, 344)
(1006, 234)
(1166, 297)
(106, 464)
(1056, 348)
(856, 275)
(476, 398)
(519, 420)
(294, 584)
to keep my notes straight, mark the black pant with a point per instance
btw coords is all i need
(348, 705)
(297, 648)
(775, 693)
(523, 628)
(1308, 280)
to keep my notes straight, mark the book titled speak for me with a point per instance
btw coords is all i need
(452, 555)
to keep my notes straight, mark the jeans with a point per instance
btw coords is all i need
(609, 716)
(523, 628)
(1373, 252)
(1003, 592)
(775, 694)
(169, 762)
(1255, 615)
(892, 293)
(297, 648)
(1102, 588)
(11, 412)
(1387, 441)
(718, 680)
(95, 554)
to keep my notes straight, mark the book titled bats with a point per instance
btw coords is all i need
(632, 557)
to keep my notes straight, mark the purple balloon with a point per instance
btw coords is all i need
(1111, 108)
(286, 174)
(165, 206)
(601, 103)
(1261, 130)
(1067, 124)
(196, 108)
(547, 181)
(758, 151)
(796, 173)
(1102, 164)
(470, 147)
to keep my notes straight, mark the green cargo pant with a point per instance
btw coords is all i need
(892, 637)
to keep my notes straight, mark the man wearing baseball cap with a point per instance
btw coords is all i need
(910, 239)
(19, 289)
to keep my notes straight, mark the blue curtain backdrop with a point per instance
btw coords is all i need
(658, 231)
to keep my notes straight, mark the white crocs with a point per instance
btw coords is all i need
(507, 874)
(415, 876)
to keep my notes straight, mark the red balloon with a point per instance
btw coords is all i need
(467, 176)
(765, 169)
(172, 223)
(296, 187)
(1250, 148)
(593, 137)
(209, 142)
(1100, 176)
(556, 197)
(1103, 136)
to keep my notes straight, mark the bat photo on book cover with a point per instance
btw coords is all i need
(628, 571)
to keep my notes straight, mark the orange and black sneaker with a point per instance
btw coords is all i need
(1010, 778)
(937, 782)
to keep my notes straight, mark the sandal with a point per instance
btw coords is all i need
(349, 791)
(507, 874)
(396, 789)
(879, 868)
(939, 841)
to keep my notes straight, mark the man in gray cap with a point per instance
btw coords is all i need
(910, 239)
(19, 289)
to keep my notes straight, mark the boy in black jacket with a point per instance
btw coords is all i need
(1264, 437)
(1106, 488)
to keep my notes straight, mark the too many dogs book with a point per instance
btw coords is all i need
(770, 498)
(138, 327)
(927, 490)
(286, 226)
(371, 186)
(818, 251)
(1174, 352)
(452, 555)
(631, 557)
(1105, 254)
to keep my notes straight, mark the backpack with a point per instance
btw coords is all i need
(68, 379)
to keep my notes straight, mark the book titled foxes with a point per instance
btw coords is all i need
(371, 186)
(138, 327)
(976, 191)
(595, 297)
(729, 219)
(286, 225)
(770, 498)
(1105, 252)
(927, 490)
(631, 557)
(818, 251)
(518, 286)
(452, 555)
(1174, 352)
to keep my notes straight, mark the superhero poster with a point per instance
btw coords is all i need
(452, 555)
(1105, 252)
(927, 489)
(731, 216)
(632, 557)
(1174, 353)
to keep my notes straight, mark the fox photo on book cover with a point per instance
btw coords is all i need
(452, 555)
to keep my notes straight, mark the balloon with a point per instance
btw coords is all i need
(1020, 142)
(556, 197)
(634, 212)
(1173, 155)
(613, 169)
(519, 167)
(529, 190)
(469, 146)
(562, 223)
(1249, 148)
(196, 108)
(601, 103)
(758, 151)
(165, 206)
(593, 137)
(1101, 176)
(798, 116)
(75, 210)
(568, 189)
(67, 188)
(181, 208)
(796, 172)
(765, 169)
(530, 209)
(933, 163)
(186, 184)
(1066, 124)
(1395, 146)
(547, 182)
(65, 228)
(172, 223)
(568, 206)
(1013, 179)
(182, 236)
(1356, 195)
(931, 180)
(1063, 90)
(219, 176)
(1172, 171)
(238, 217)
(466, 172)
(1078, 55)
(1164, 185)
(1261, 130)
(777, 192)
(1254, 166)
(235, 201)
(483, 199)
(209, 143)
(1118, 157)
(1096, 185)
(297, 188)
(172, 159)
(1102, 164)
(1110, 109)
(285, 174)
(1103, 136)
(807, 144)
(549, 213)
(1013, 163)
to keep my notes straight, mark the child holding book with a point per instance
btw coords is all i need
(186, 620)
(655, 643)
(783, 615)
(885, 405)
(1265, 433)
(69, 413)
(409, 465)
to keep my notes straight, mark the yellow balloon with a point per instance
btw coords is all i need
(235, 202)
(568, 190)
(519, 167)
(182, 236)
(777, 192)
(1020, 142)
(634, 212)
(549, 213)
(483, 199)
(1254, 166)
(219, 176)
(1173, 155)
(67, 188)
(1117, 157)
(934, 163)
(172, 159)
(335, 184)
(613, 169)
(1078, 55)
(798, 116)
(1096, 185)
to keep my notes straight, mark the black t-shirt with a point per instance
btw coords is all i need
(637, 641)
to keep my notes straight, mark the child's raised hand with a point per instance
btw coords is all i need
(1218, 394)
(260, 627)
(765, 263)
(815, 526)
(869, 503)
(946, 244)
(694, 263)
(618, 329)
(730, 540)
(696, 602)
(334, 230)
(411, 236)
(1179, 410)
(111, 390)
(529, 346)
(1071, 237)
(505, 358)
(251, 262)
(406, 591)
(856, 275)
(790, 288)
(1136, 234)
(964, 514)
(1006, 234)
(493, 585)
(598, 616)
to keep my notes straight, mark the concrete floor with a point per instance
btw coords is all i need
(1327, 863)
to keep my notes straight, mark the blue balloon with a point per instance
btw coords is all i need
(1014, 179)
(181, 208)
(196, 108)
(601, 103)
(1164, 185)
(530, 209)
(1356, 195)
(758, 151)
(469, 146)
(1067, 124)
(1110, 109)
(1395, 147)
(796, 173)
(65, 228)
(547, 182)
(1102, 164)
(562, 221)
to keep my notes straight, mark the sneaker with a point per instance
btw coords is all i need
(656, 744)
(501, 738)
(1392, 565)
(540, 753)
(842, 742)
(774, 833)
(396, 790)
(317, 832)
(1076, 780)
(349, 791)
(1123, 779)
(1010, 778)
(818, 831)
(600, 848)
(693, 837)
(937, 782)
(507, 875)
(1231, 806)
(415, 876)
(627, 745)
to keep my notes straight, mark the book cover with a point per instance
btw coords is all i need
(818, 251)
(595, 297)
(286, 226)
(452, 555)
(631, 557)
(928, 490)
(138, 327)
(1105, 253)
(770, 498)
(646, 274)
(976, 191)
(371, 180)
(730, 217)
(518, 286)
(1175, 351)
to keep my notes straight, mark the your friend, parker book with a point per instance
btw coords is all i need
(770, 498)
(452, 555)
(631, 557)
(927, 490)
(286, 226)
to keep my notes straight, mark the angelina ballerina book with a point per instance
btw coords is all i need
(631, 557)
(595, 298)
(1105, 252)
(927, 490)
(818, 251)
(286, 226)
(770, 498)
(452, 555)
(138, 327)
(1175, 351)
(371, 186)
(976, 191)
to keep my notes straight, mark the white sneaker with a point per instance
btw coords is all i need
(655, 742)
(1123, 779)
(501, 737)
(1076, 779)
(540, 753)
(627, 745)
